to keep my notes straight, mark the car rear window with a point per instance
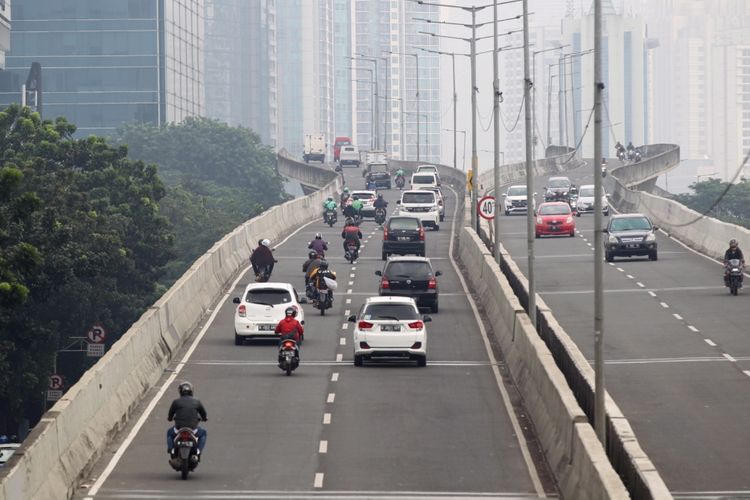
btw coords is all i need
(558, 183)
(630, 224)
(362, 196)
(378, 167)
(423, 179)
(405, 223)
(268, 296)
(427, 169)
(586, 192)
(426, 197)
(348, 149)
(390, 311)
(414, 269)
(554, 209)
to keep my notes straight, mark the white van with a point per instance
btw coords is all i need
(349, 155)
(424, 180)
(421, 204)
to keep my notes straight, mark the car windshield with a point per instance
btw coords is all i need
(554, 209)
(426, 197)
(390, 312)
(415, 270)
(517, 191)
(630, 224)
(268, 296)
(587, 192)
(423, 179)
(403, 223)
(559, 183)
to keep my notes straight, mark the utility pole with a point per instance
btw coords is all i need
(530, 227)
(496, 132)
(549, 104)
(533, 93)
(599, 415)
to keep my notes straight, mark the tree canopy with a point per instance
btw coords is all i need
(729, 203)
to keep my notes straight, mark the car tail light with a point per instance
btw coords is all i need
(432, 283)
(421, 234)
(418, 325)
(364, 325)
(384, 283)
(364, 345)
(385, 233)
(416, 345)
(242, 311)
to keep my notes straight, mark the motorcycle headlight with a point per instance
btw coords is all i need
(650, 237)
(612, 238)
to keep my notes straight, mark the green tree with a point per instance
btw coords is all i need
(217, 177)
(720, 200)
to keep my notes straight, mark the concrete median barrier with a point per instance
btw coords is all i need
(71, 436)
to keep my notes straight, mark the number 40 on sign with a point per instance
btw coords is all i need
(486, 207)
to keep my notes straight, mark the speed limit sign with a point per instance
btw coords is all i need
(486, 207)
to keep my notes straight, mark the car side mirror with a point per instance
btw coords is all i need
(352, 318)
(545, 188)
(426, 318)
(303, 300)
(398, 202)
(656, 228)
(438, 273)
(605, 230)
(236, 300)
(378, 273)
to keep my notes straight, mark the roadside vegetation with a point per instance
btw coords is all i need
(733, 206)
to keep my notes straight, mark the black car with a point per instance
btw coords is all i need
(382, 180)
(403, 235)
(558, 189)
(410, 277)
(628, 235)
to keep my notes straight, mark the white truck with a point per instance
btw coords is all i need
(315, 148)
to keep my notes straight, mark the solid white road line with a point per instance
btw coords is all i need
(746, 372)
(693, 329)
(533, 473)
(326, 419)
(331, 397)
(323, 447)
(730, 358)
(677, 316)
(318, 480)
(709, 342)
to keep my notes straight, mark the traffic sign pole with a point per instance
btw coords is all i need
(486, 207)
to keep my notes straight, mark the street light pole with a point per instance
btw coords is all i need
(374, 107)
(530, 227)
(533, 93)
(549, 103)
(474, 159)
(496, 133)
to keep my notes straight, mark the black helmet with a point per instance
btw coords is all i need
(323, 265)
(733, 243)
(330, 198)
(290, 311)
(380, 195)
(186, 388)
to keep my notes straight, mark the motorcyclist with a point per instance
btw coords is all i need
(290, 328)
(186, 411)
(380, 202)
(312, 266)
(733, 252)
(345, 195)
(318, 280)
(262, 257)
(329, 204)
(357, 206)
(400, 174)
(630, 146)
(312, 256)
(371, 184)
(348, 209)
(351, 232)
(318, 245)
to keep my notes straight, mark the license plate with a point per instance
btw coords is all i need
(266, 328)
(403, 238)
(390, 328)
(633, 245)
(554, 228)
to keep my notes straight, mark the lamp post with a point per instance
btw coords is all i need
(455, 95)
(416, 62)
(533, 91)
(373, 107)
(387, 62)
(562, 93)
(463, 152)
(426, 121)
(377, 100)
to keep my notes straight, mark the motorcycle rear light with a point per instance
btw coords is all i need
(417, 325)
(421, 234)
(242, 311)
(432, 284)
(364, 325)
(417, 345)
(384, 283)
(288, 345)
(364, 345)
(185, 436)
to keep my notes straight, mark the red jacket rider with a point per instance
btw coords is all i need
(289, 326)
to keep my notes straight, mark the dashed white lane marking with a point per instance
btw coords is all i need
(677, 316)
(693, 329)
(746, 372)
(351, 275)
(730, 358)
(621, 269)
(611, 264)
(652, 293)
(630, 276)
(584, 239)
(335, 377)
(323, 448)
(342, 341)
(664, 305)
(318, 480)
(339, 359)
(351, 283)
(331, 397)
(592, 249)
(709, 342)
(348, 301)
(326, 419)
(349, 291)
(354, 268)
(345, 326)
(640, 284)
(347, 312)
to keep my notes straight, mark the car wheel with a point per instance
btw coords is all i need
(578, 214)
(653, 255)
(609, 256)
(384, 255)
(536, 235)
(422, 361)
(238, 340)
(606, 213)
(507, 212)
(358, 360)
(572, 234)
(434, 307)
(436, 228)
(442, 218)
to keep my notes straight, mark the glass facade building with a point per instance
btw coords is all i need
(108, 62)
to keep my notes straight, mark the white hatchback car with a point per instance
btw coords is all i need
(261, 308)
(390, 327)
(586, 198)
(368, 199)
(422, 204)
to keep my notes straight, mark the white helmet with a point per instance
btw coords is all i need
(266, 242)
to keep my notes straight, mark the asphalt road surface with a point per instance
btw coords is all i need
(676, 344)
(389, 430)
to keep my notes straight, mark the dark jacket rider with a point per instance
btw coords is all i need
(262, 257)
(186, 411)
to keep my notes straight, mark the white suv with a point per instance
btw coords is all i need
(432, 169)
(389, 327)
(422, 204)
(585, 202)
(261, 308)
(515, 199)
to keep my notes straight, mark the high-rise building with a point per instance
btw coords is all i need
(240, 52)
(109, 62)
(342, 49)
(4, 30)
(408, 105)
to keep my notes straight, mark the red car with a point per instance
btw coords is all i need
(555, 218)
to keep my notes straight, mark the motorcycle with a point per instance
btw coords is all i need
(604, 171)
(288, 356)
(263, 274)
(330, 217)
(324, 300)
(357, 218)
(352, 253)
(734, 276)
(400, 181)
(380, 216)
(185, 452)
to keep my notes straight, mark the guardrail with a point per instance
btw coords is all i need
(72, 434)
